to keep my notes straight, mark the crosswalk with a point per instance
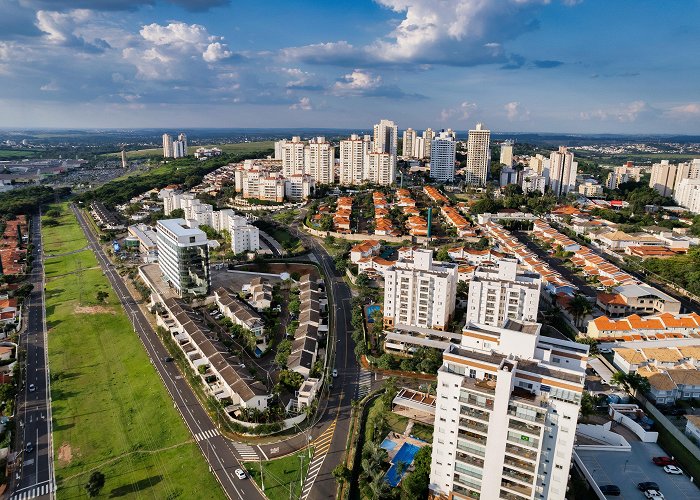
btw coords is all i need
(246, 452)
(201, 436)
(364, 384)
(34, 492)
(321, 445)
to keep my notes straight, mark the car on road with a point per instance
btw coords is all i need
(32, 388)
(654, 494)
(167, 359)
(605, 350)
(240, 474)
(647, 485)
(612, 490)
(672, 469)
(663, 461)
(29, 447)
(335, 372)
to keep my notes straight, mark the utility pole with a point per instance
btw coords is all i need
(262, 477)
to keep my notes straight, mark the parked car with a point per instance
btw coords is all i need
(663, 461)
(29, 447)
(654, 495)
(605, 350)
(240, 474)
(672, 469)
(32, 388)
(647, 485)
(335, 372)
(612, 490)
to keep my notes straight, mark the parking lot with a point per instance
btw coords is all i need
(627, 469)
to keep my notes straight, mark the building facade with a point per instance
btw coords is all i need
(420, 292)
(478, 155)
(562, 171)
(409, 141)
(498, 293)
(183, 257)
(354, 159)
(442, 157)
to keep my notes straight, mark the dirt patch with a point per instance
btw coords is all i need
(65, 453)
(93, 310)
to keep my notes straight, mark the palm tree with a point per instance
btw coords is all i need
(579, 306)
(378, 488)
(620, 378)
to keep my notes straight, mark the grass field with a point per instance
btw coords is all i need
(241, 147)
(66, 237)
(281, 475)
(110, 410)
(11, 154)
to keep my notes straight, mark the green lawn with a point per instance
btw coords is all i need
(110, 410)
(242, 147)
(424, 432)
(281, 475)
(58, 266)
(66, 237)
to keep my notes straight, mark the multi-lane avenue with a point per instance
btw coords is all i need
(33, 476)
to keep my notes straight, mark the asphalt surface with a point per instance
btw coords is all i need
(33, 475)
(224, 455)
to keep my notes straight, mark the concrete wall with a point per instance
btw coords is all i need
(603, 433)
(619, 415)
(666, 424)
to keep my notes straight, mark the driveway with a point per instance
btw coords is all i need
(627, 469)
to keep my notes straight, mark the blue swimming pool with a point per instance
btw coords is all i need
(371, 310)
(405, 456)
(388, 444)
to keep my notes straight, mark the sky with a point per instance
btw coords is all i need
(565, 66)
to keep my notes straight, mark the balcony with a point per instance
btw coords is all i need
(527, 441)
(518, 476)
(467, 481)
(521, 427)
(469, 424)
(464, 458)
(520, 464)
(478, 474)
(474, 438)
(517, 488)
(515, 412)
(472, 413)
(520, 452)
(510, 496)
(469, 449)
(467, 491)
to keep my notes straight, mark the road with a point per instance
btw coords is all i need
(224, 455)
(34, 476)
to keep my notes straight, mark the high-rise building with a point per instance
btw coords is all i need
(666, 177)
(179, 149)
(478, 155)
(244, 237)
(420, 292)
(167, 146)
(124, 165)
(409, 140)
(562, 171)
(539, 164)
(183, 257)
(293, 157)
(532, 181)
(183, 138)
(419, 148)
(498, 293)
(442, 157)
(625, 173)
(509, 175)
(428, 135)
(381, 169)
(319, 160)
(354, 159)
(507, 153)
(688, 195)
(386, 138)
(507, 405)
(278, 148)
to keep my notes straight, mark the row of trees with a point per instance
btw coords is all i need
(28, 200)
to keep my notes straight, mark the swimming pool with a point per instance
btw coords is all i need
(388, 444)
(371, 310)
(405, 456)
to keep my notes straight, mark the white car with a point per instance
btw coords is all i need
(605, 350)
(335, 372)
(672, 469)
(654, 494)
(32, 388)
(240, 473)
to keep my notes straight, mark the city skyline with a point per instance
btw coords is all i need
(518, 66)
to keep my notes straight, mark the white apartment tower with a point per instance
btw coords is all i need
(183, 139)
(293, 157)
(183, 257)
(666, 177)
(179, 149)
(506, 409)
(442, 157)
(562, 171)
(386, 138)
(167, 146)
(409, 141)
(381, 169)
(319, 160)
(419, 148)
(428, 135)
(354, 159)
(498, 293)
(539, 164)
(478, 155)
(507, 153)
(420, 292)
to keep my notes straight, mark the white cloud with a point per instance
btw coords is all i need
(304, 104)
(216, 52)
(515, 111)
(623, 113)
(51, 86)
(689, 110)
(356, 83)
(64, 28)
(462, 112)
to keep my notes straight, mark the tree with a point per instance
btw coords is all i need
(620, 378)
(95, 484)
(362, 280)
(579, 306)
(341, 473)
(588, 405)
(442, 255)
(326, 222)
(102, 296)
(284, 349)
(178, 213)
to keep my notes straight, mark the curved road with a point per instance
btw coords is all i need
(224, 455)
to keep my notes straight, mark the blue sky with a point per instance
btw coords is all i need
(517, 65)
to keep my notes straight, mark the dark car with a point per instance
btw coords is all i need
(610, 489)
(167, 359)
(663, 461)
(648, 485)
